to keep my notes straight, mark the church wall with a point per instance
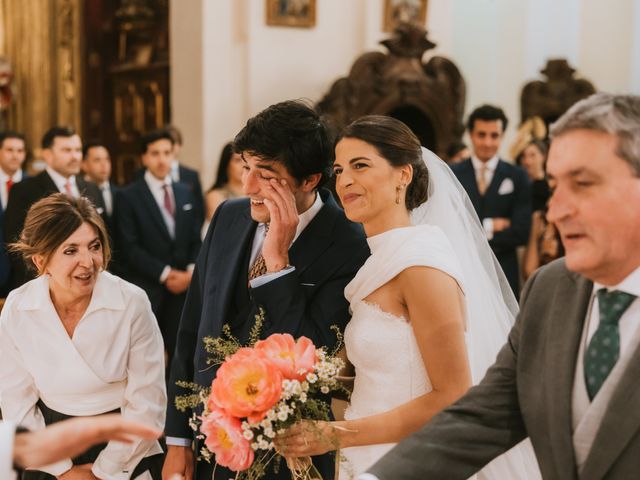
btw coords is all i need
(497, 44)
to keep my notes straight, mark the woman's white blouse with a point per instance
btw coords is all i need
(115, 359)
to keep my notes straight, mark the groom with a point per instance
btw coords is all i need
(568, 376)
(288, 249)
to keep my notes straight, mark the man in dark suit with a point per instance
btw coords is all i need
(296, 269)
(96, 166)
(499, 191)
(62, 153)
(568, 375)
(12, 155)
(158, 234)
(182, 173)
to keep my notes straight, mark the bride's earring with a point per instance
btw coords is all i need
(399, 188)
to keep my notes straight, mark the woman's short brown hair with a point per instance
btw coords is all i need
(53, 219)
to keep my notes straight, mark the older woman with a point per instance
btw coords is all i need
(78, 341)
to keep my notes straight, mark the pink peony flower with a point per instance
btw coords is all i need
(224, 439)
(247, 385)
(294, 358)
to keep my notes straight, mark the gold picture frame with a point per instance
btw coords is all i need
(291, 13)
(397, 11)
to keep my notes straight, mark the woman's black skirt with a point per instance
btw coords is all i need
(152, 464)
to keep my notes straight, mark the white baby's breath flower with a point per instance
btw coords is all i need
(271, 415)
(266, 423)
(324, 389)
(283, 415)
(303, 397)
(263, 445)
(312, 378)
(248, 434)
(268, 432)
(254, 446)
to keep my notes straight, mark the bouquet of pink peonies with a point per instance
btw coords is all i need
(258, 392)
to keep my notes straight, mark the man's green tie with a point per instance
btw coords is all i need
(604, 348)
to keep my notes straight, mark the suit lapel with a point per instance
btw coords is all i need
(498, 176)
(181, 198)
(312, 242)
(152, 208)
(570, 304)
(235, 243)
(619, 425)
(468, 180)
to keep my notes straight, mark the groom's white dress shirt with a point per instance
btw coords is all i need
(113, 360)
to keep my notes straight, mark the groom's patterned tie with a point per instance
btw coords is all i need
(604, 348)
(259, 267)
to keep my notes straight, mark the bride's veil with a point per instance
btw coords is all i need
(491, 305)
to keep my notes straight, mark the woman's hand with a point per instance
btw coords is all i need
(308, 438)
(79, 472)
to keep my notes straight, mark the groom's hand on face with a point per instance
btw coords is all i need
(281, 202)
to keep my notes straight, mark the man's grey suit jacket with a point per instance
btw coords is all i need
(528, 391)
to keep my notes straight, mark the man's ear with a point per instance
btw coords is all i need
(47, 155)
(311, 182)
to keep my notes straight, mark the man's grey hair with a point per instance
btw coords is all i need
(618, 115)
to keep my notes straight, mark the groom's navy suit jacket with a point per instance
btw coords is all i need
(306, 301)
(514, 205)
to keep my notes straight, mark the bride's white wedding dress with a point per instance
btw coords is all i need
(389, 370)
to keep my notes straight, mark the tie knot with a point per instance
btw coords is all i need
(613, 304)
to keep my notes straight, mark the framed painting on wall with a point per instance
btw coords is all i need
(291, 13)
(398, 11)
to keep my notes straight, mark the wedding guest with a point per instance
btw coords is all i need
(12, 156)
(158, 233)
(228, 183)
(533, 159)
(498, 190)
(568, 375)
(67, 438)
(544, 240)
(181, 173)
(62, 153)
(77, 341)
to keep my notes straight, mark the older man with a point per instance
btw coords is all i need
(568, 375)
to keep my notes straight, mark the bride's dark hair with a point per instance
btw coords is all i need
(398, 145)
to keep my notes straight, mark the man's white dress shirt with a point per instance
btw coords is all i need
(115, 359)
(489, 170)
(62, 181)
(4, 192)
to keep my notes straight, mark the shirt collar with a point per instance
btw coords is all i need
(106, 294)
(16, 177)
(491, 164)
(155, 183)
(60, 180)
(630, 284)
(104, 185)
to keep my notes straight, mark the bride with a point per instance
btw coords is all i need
(430, 307)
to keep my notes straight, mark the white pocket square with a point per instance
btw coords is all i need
(187, 206)
(506, 187)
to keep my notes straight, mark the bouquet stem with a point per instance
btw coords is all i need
(302, 468)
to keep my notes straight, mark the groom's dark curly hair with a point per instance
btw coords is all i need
(292, 133)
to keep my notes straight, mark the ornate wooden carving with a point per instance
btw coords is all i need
(130, 51)
(428, 96)
(550, 98)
